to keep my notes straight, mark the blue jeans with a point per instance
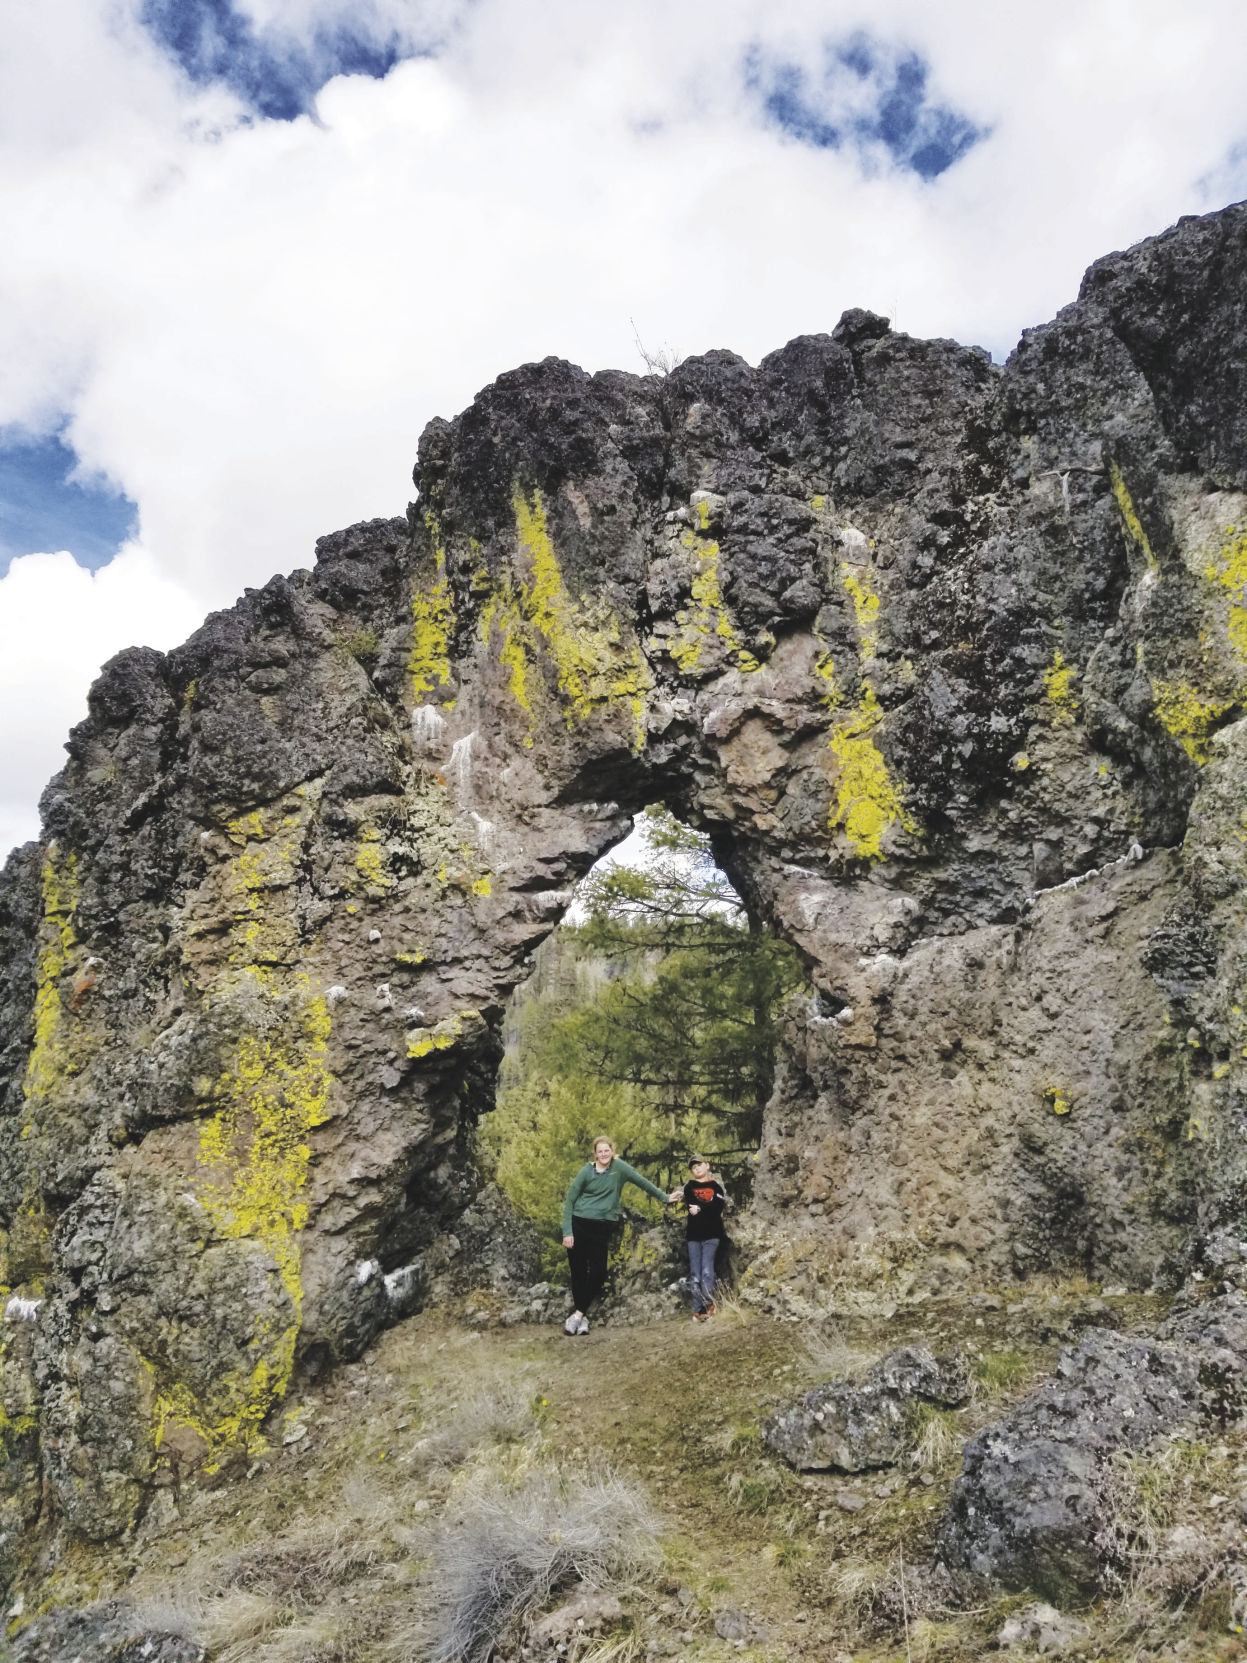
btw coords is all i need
(701, 1272)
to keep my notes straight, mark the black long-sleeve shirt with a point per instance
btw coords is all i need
(710, 1198)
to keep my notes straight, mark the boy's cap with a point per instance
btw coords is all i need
(699, 1160)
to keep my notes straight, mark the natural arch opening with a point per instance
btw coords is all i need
(650, 1015)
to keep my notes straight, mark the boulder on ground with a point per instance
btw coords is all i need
(1032, 1508)
(109, 1632)
(852, 1426)
(1216, 1331)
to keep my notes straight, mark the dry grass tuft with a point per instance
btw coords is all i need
(303, 1567)
(829, 1356)
(855, 1586)
(499, 1411)
(507, 1550)
(935, 1435)
(623, 1648)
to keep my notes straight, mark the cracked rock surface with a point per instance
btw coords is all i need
(949, 659)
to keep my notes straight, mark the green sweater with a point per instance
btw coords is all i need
(594, 1194)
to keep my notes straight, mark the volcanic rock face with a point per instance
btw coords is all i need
(949, 660)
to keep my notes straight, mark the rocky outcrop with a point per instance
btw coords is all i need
(853, 1426)
(1035, 1506)
(950, 661)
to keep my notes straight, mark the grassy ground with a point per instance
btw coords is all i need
(327, 1550)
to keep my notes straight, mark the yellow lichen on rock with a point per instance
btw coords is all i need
(253, 1162)
(594, 668)
(707, 619)
(1190, 719)
(1058, 681)
(1058, 1099)
(825, 672)
(370, 860)
(1130, 517)
(268, 860)
(866, 803)
(502, 613)
(443, 1035)
(1229, 571)
(48, 1061)
(865, 608)
(433, 622)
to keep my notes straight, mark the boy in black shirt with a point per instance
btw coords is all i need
(705, 1199)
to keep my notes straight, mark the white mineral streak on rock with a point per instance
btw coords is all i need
(365, 1270)
(427, 727)
(484, 832)
(854, 542)
(1133, 855)
(21, 1310)
(460, 767)
(397, 1280)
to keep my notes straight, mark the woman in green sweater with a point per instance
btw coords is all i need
(590, 1213)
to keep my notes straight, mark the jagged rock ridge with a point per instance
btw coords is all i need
(949, 660)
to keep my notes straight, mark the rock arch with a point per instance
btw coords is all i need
(948, 659)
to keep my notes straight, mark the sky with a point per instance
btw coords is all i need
(252, 246)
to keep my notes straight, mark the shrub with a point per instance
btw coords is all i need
(507, 1550)
(361, 645)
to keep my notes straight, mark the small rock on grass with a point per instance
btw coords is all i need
(1042, 1627)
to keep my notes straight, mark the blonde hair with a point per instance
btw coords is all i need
(602, 1138)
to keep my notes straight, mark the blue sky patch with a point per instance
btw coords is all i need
(862, 95)
(277, 75)
(42, 510)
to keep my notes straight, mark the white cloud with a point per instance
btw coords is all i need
(58, 624)
(249, 323)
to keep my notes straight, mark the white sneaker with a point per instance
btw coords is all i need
(572, 1325)
(582, 1327)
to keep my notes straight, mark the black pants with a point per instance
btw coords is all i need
(587, 1259)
